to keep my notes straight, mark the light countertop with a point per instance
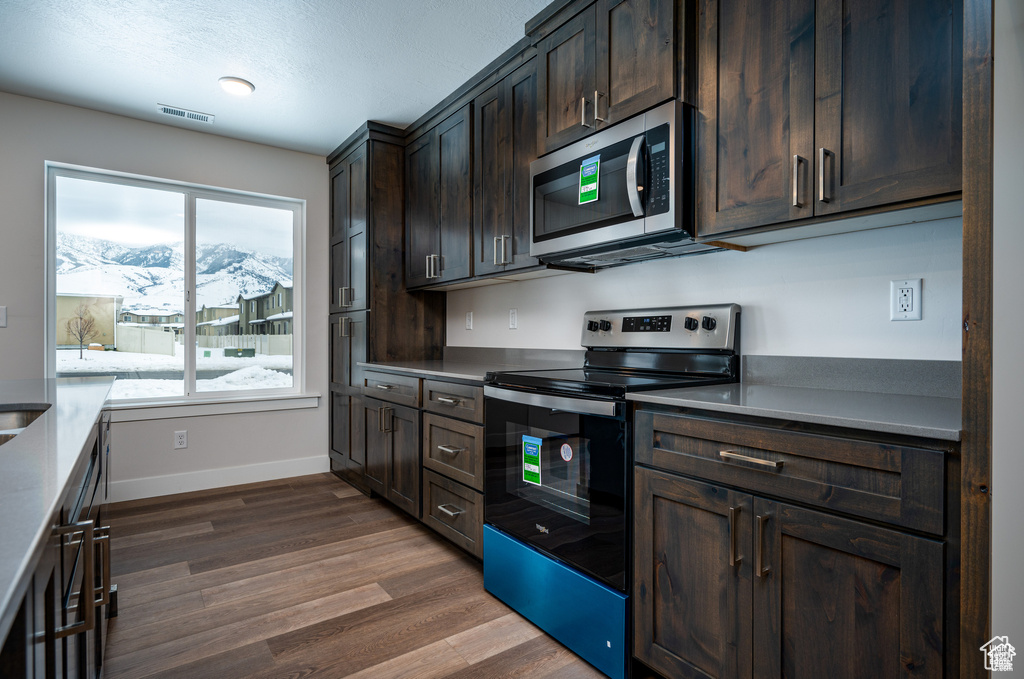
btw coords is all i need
(926, 416)
(35, 470)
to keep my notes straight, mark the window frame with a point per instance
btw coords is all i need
(191, 192)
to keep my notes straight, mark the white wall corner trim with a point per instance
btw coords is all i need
(186, 482)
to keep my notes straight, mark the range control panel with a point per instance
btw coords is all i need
(701, 328)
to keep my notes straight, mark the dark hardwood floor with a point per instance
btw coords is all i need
(306, 577)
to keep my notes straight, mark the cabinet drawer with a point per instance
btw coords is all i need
(887, 482)
(454, 511)
(400, 389)
(455, 400)
(455, 449)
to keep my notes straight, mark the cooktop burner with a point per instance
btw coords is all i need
(642, 350)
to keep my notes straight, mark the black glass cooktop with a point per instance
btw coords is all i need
(601, 383)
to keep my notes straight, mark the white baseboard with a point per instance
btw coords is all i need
(154, 486)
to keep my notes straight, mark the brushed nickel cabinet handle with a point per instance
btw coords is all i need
(495, 257)
(759, 566)
(449, 512)
(823, 153)
(734, 517)
(450, 401)
(102, 538)
(346, 300)
(728, 455)
(380, 418)
(389, 420)
(84, 601)
(450, 450)
(583, 112)
(385, 387)
(506, 253)
(345, 326)
(796, 181)
(596, 99)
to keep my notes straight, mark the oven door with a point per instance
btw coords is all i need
(557, 477)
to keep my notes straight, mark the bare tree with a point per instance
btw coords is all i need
(81, 326)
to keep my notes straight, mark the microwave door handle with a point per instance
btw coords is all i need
(632, 187)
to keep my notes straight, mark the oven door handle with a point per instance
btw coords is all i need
(581, 406)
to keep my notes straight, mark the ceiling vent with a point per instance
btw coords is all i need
(185, 114)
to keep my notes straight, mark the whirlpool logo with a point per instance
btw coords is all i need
(542, 529)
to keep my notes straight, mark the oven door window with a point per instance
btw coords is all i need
(558, 480)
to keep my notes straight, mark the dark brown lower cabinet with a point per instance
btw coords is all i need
(731, 585)
(392, 435)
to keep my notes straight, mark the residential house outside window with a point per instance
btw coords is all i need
(173, 264)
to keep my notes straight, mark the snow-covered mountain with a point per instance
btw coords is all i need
(152, 278)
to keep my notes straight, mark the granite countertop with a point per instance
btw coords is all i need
(472, 365)
(37, 466)
(453, 370)
(912, 415)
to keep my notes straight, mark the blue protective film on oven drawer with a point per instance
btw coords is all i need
(586, 616)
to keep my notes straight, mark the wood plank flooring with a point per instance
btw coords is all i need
(306, 577)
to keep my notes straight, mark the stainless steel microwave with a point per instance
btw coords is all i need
(622, 195)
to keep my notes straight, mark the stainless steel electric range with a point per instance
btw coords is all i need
(558, 469)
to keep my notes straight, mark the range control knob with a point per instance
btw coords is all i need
(691, 323)
(605, 326)
(708, 323)
(592, 326)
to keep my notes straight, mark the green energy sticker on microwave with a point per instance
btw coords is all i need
(531, 459)
(589, 175)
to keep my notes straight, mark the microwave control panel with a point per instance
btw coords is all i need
(659, 149)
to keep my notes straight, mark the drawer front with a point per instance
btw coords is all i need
(454, 511)
(454, 400)
(400, 389)
(455, 449)
(886, 482)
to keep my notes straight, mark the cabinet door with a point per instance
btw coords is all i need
(421, 227)
(490, 169)
(403, 426)
(359, 340)
(356, 234)
(565, 77)
(841, 599)
(370, 412)
(455, 198)
(756, 123)
(635, 57)
(521, 105)
(339, 229)
(692, 577)
(888, 103)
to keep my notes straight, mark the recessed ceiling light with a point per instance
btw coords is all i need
(236, 86)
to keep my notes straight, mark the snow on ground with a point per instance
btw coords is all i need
(252, 377)
(125, 361)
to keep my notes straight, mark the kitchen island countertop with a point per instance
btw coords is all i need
(37, 466)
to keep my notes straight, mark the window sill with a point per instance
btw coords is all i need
(134, 411)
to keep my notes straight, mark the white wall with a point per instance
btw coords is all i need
(817, 297)
(223, 449)
(1008, 315)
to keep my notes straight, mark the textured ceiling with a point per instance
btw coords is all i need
(321, 67)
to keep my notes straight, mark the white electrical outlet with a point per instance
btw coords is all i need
(905, 300)
(180, 439)
(513, 319)
(469, 320)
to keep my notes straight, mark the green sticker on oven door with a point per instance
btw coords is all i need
(589, 175)
(531, 459)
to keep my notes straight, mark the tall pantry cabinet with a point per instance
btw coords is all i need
(373, 317)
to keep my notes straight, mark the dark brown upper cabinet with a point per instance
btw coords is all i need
(809, 108)
(348, 233)
(439, 203)
(611, 61)
(504, 145)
